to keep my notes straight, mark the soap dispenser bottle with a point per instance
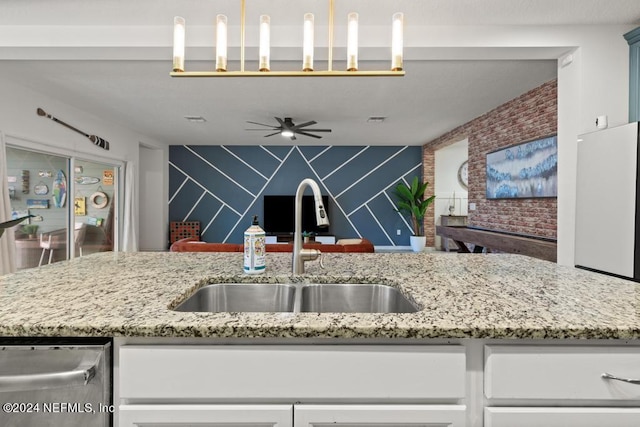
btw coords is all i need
(254, 248)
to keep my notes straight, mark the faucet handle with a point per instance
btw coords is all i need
(309, 254)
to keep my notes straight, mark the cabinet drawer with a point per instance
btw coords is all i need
(561, 417)
(301, 373)
(205, 415)
(379, 415)
(563, 372)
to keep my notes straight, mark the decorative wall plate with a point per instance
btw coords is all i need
(41, 189)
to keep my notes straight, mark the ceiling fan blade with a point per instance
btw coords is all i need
(279, 120)
(271, 134)
(317, 130)
(263, 130)
(312, 122)
(308, 134)
(262, 124)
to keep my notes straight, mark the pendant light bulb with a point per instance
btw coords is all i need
(397, 24)
(265, 36)
(352, 42)
(307, 43)
(221, 43)
(178, 43)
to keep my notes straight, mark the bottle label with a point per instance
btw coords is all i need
(254, 252)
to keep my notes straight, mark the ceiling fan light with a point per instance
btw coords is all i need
(352, 42)
(307, 43)
(221, 43)
(286, 133)
(397, 23)
(265, 36)
(178, 43)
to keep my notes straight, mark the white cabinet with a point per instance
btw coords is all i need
(205, 415)
(381, 415)
(177, 415)
(287, 385)
(561, 386)
(562, 417)
(561, 372)
(307, 373)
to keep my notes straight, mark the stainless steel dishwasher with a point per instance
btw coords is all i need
(50, 383)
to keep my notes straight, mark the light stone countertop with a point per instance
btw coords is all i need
(461, 296)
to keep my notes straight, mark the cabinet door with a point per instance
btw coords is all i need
(379, 415)
(562, 417)
(205, 416)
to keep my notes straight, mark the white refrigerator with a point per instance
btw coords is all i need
(607, 223)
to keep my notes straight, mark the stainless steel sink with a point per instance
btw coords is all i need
(299, 297)
(354, 298)
(241, 297)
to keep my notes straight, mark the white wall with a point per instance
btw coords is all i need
(25, 129)
(448, 161)
(152, 203)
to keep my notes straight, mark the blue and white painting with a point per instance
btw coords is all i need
(525, 170)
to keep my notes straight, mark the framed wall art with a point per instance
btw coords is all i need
(525, 170)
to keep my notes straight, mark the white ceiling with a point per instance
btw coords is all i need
(434, 96)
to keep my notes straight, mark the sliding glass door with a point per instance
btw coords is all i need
(73, 203)
(95, 206)
(38, 186)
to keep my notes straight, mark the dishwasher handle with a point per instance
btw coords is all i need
(79, 376)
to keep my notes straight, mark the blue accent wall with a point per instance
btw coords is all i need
(222, 186)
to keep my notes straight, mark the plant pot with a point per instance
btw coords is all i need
(418, 243)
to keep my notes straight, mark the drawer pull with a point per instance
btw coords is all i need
(626, 380)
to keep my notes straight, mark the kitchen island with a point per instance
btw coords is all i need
(460, 296)
(499, 340)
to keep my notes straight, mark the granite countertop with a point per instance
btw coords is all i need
(461, 296)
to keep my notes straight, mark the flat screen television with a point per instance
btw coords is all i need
(279, 214)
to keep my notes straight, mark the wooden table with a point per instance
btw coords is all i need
(499, 241)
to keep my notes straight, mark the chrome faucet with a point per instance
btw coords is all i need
(301, 255)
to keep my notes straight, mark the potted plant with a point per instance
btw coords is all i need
(307, 235)
(30, 230)
(411, 201)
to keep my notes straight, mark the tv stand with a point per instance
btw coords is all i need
(288, 238)
(280, 238)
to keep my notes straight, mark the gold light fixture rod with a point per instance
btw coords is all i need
(330, 44)
(288, 74)
(242, 16)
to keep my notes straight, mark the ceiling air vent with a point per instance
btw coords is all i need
(376, 119)
(195, 119)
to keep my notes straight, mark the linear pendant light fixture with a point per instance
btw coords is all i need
(307, 70)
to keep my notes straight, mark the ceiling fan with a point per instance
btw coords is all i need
(288, 129)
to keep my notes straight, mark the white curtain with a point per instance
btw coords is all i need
(7, 241)
(130, 232)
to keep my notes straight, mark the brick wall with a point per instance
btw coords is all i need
(530, 116)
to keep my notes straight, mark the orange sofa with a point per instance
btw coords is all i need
(192, 244)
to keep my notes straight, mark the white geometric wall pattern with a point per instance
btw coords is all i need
(223, 186)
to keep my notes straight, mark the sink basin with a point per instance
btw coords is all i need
(298, 297)
(250, 297)
(354, 298)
